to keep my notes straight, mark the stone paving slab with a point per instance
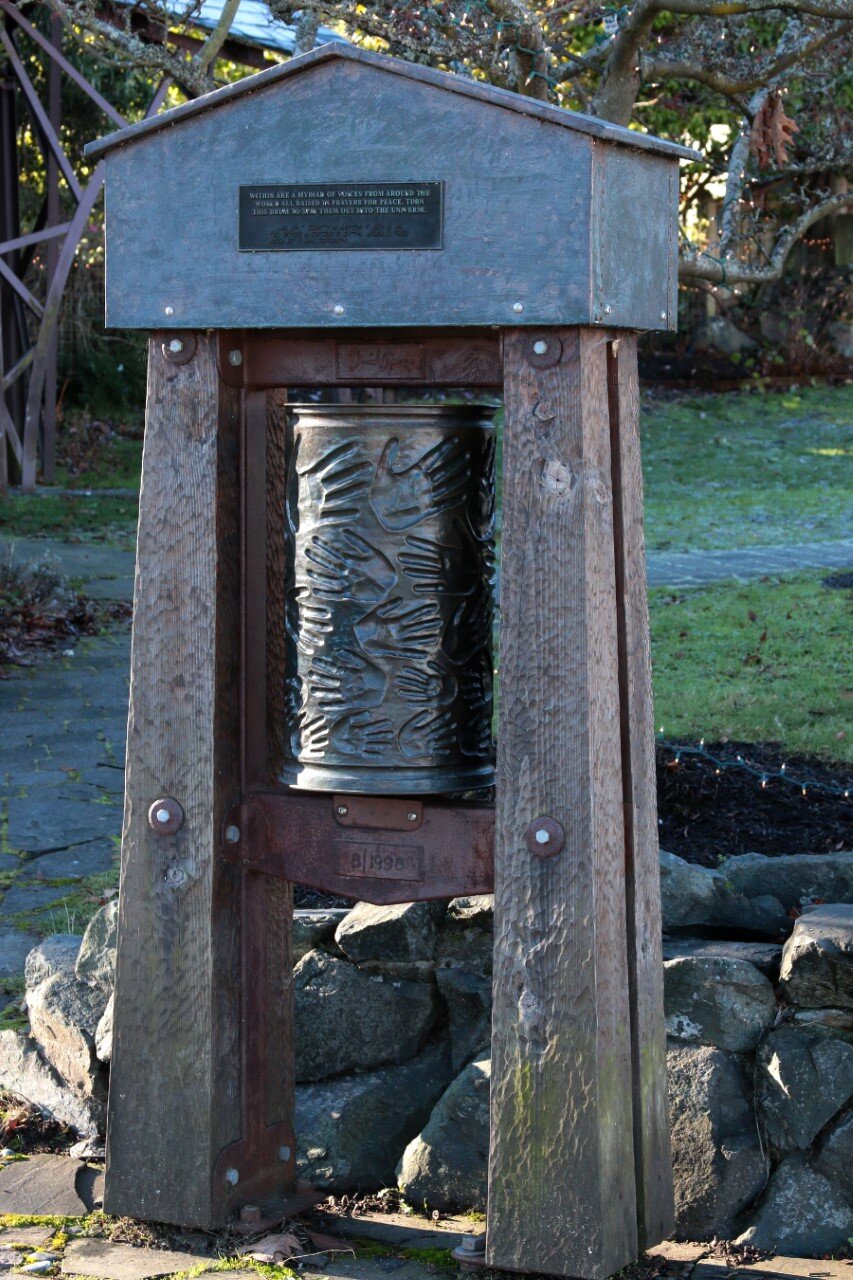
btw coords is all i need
(402, 1230)
(71, 864)
(15, 946)
(697, 568)
(33, 1237)
(107, 572)
(109, 1261)
(42, 1184)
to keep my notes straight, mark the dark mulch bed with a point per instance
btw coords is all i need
(705, 815)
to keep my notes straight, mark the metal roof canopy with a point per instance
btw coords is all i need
(549, 216)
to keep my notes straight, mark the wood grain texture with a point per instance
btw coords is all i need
(561, 1172)
(655, 1207)
(175, 1084)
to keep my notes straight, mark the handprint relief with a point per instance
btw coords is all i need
(347, 566)
(469, 629)
(442, 568)
(481, 498)
(346, 678)
(308, 624)
(332, 486)
(431, 684)
(400, 629)
(360, 734)
(429, 733)
(310, 736)
(404, 496)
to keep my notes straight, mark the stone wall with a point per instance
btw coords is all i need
(393, 1012)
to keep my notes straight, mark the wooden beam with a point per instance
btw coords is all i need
(561, 1172)
(175, 1082)
(655, 1205)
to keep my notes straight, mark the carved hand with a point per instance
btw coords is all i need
(430, 684)
(358, 734)
(337, 481)
(442, 569)
(396, 629)
(346, 677)
(401, 497)
(349, 566)
(429, 733)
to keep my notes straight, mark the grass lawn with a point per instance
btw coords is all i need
(756, 662)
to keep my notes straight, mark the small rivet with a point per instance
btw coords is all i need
(232, 1177)
(663, 315)
(540, 347)
(343, 810)
(162, 815)
(170, 311)
(232, 835)
(176, 345)
(338, 309)
(235, 358)
(518, 307)
(608, 309)
(284, 1154)
(413, 817)
(542, 836)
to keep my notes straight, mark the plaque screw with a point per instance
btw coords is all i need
(542, 836)
(176, 345)
(540, 347)
(169, 311)
(235, 358)
(413, 817)
(518, 307)
(232, 1177)
(284, 1154)
(338, 309)
(232, 835)
(608, 309)
(343, 810)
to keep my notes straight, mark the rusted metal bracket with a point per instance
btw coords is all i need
(375, 851)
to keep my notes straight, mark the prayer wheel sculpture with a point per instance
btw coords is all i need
(311, 697)
(390, 523)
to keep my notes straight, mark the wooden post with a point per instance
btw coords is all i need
(181, 1029)
(655, 1204)
(561, 1173)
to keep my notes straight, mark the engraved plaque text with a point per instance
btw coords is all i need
(380, 861)
(341, 215)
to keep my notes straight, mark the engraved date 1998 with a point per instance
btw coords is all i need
(382, 861)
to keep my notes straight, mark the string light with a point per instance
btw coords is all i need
(765, 776)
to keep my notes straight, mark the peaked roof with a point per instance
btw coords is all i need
(503, 98)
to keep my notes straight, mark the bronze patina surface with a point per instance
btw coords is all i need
(390, 523)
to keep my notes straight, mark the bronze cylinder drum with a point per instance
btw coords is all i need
(390, 528)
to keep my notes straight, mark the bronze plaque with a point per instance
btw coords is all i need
(341, 215)
(380, 861)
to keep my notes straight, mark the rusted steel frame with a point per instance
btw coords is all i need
(253, 535)
(34, 237)
(53, 303)
(59, 58)
(51, 256)
(17, 369)
(48, 139)
(300, 837)
(347, 358)
(10, 431)
(21, 290)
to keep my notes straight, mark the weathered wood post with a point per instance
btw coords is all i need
(348, 220)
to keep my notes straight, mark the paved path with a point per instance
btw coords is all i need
(64, 727)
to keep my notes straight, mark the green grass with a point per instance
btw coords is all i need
(756, 662)
(80, 519)
(748, 469)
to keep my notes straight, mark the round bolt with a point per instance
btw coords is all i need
(284, 1154)
(232, 834)
(413, 817)
(608, 309)
(342, 810)
(518, 307)
(474, 1244)
(176, 345)
(250, 1213)
(165, 817)
(545, 837)
(235, 358)
(338, 309)
(540, 347)
(232, 1177)
(663, 315)
(170, 311)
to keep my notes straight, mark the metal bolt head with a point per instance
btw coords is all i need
(663, 315)
(545, 837)
(342, 810)
(250, 1213)
(232, 834)
(165, 816)
(176, 345)
(540, 347)
(542, 836)
(518, 307)
(338, 309)
(235, 357)
(474, 1244)
(413, 817)
(232, 1177)
(608, 309)
(169, 311)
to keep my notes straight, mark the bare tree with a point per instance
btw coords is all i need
(667, 65)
